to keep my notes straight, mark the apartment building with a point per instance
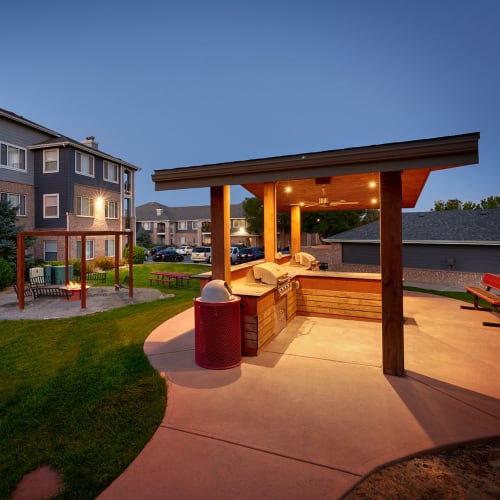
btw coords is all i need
(58, 183)
(189, 225)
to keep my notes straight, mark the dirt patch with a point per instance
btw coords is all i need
(44, 482)
(466, 472)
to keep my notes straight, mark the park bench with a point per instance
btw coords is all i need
(97, 276)
(489, 281)
(160, 281)
(39, 288)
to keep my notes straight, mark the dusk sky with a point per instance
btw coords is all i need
(164, 84)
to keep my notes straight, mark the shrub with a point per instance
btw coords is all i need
(105, 263)
(6, 274)
(138, 255)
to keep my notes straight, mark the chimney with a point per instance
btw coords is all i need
(91, 142)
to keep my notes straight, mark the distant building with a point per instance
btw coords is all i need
(188, 225)
(453, 240)
(58, 183)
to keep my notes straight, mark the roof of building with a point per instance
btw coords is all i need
(61, 140)
(447, 226)
(150, 212)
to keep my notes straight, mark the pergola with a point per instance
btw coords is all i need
(388, 177)
(83, 235)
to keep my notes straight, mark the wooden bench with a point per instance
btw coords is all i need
(39, 288)
(489, 281)
(93, 276)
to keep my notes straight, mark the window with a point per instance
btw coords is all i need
(238, 223)
(111, 210)
(109, 248)
(12, 157)
(89, 249)
(17, 200)
(84, 164)
(110, 171)
(50, 250)
(182, 225)
(50, 206)
(84, 206)
(50, 161)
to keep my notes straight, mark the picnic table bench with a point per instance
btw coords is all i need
(489, 281)
(162, 277)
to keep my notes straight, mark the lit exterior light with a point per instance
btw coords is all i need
(374, 201)
(99, 202)
(372, 184)
(288, 189)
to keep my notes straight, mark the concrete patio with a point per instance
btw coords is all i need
(313, 414)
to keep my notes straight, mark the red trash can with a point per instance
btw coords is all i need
(217, 327)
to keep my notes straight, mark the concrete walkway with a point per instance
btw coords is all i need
(313, 414)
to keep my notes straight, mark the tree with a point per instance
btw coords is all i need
(8, 231)
(143, 238)
(490, 202)
(330, 223)
(253, 209)
(455, 204)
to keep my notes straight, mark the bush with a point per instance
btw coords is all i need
(105, 263)
(138, 255)
(6, 274)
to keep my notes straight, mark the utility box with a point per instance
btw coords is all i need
(217, 325)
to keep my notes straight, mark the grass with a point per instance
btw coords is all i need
(79, 393)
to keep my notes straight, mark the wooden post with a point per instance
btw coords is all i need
(295, 230)
(20, 270)
(117, 262)
(83, 271)
(269, 221)
(131, 264)
(220, 225)
(391, 266)
(66, 259)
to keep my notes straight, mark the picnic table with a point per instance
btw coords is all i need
(164, 277)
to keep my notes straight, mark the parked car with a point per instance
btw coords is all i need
(234, 252)
(156, 249)
(185, 250)
(252, 253)
(167, 255)
(201, 254)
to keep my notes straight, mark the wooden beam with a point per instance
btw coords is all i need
(20, 270)
(220, 224)
(391, 266)
(295, 230)
(269, 221)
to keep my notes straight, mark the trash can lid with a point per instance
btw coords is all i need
(216, 291)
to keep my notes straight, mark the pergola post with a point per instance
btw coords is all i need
(270, 221)
(221, 236)
(20, 270)
(295, 230)
(391, 267)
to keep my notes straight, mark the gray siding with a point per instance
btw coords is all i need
(18, 135)
(467, 258)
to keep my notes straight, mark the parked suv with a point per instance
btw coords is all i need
(167, 255)
(201, 254)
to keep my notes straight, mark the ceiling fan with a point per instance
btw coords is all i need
(324, 202)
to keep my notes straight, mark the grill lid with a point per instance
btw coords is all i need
(270, 273)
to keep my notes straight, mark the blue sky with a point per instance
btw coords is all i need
(165, 84)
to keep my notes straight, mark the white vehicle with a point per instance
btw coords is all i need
(184, 250)
(233, 251)
(201, 254)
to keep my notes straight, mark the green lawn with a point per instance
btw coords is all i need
(79, 394)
